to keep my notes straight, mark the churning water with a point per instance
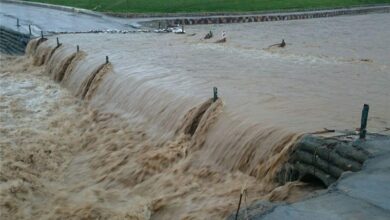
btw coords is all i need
(147, 142)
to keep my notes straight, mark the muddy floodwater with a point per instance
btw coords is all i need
(140, 138)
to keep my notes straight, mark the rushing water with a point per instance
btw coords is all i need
(61, 159)
(151, 143)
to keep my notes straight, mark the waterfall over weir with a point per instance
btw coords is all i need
(138, 136)
(255, 150)
(123, 146)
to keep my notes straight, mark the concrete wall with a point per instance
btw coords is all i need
(12, 42)
(274, 17)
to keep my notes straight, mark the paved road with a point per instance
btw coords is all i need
(52, 20)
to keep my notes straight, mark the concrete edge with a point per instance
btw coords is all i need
(266, 17)
(211, 14)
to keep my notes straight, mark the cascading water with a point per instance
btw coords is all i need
(147, 142)
(184, 172)
(260, 149)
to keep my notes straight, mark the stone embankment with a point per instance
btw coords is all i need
(324, 159)
(226, 19)
(12, 42)
(363, 194)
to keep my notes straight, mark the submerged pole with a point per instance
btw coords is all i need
(41, 34)
(107, 61)
(58, 42)
(215, 91)
(238, 208)
(17, 22)
(29, 29)
(363, 123)
(78, 48)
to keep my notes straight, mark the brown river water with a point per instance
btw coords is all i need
(140, 138)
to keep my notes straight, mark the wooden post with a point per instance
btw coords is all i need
(159, 25)
(41, 34)
(29, 29)
(17, 22)
(363, 123)
(107, 61)
(58, 42)
(215, 91)
(78, 48)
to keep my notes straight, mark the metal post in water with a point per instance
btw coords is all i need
(215, 91)
(107, 61)
(78, 48)
(363, 123)
(29, 29)
(17, 22)
(238, 208)
(58, 42)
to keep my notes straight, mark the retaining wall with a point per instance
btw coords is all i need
(272, 17)
(325, 158)
(12, 42)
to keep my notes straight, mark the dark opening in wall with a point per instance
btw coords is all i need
(313, 181)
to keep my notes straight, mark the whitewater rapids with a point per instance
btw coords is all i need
(61, 159)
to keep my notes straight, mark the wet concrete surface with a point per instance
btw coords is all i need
(51, 20)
